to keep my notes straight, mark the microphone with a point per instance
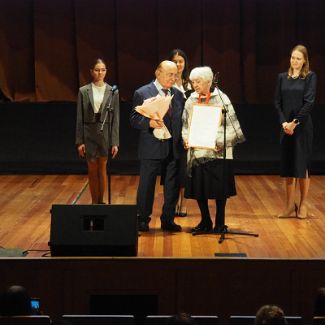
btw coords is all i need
(109, 107)
(214, 83)
(216, 79)
(114, 89)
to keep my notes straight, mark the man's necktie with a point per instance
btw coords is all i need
(166, 92)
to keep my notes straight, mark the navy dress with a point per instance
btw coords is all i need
(294, 99)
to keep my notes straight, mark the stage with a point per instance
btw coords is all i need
(173, 271)
(26, 202)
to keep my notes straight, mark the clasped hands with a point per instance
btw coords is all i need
(289, 127)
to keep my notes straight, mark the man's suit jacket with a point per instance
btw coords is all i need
(86, 115)
(149, 146)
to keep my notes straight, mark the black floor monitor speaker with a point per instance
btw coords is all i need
(93, 230)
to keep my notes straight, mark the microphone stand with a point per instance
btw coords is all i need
(109, 110)
(224, 230)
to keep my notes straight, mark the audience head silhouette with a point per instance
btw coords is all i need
(181, 319)
(270, 315)
(15, 301)
(319, 307)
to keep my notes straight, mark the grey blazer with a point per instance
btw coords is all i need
(86, 116)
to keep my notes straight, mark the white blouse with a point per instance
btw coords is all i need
(98, 96)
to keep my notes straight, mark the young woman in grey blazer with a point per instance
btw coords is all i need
(97, 137)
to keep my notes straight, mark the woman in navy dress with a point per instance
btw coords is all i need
(183, 84)
(294, 100)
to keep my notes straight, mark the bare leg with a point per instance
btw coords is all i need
(93, 180)
(290, 198)
(178, 205)
(181, 204)
(102, 178)
(304, 188)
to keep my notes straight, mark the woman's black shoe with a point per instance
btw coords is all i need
(203, 227)
(220, 229)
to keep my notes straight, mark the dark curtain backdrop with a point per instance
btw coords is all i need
(47, 47)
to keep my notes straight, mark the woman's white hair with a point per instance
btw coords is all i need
(204, 73)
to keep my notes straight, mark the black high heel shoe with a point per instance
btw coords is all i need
(179, 212)
(182, 214)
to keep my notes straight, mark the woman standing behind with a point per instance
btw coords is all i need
(93, 143)
(183, 82)
(210, 176)
(294, 100)
(184, 85)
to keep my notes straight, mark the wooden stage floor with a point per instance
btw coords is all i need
(25, 202)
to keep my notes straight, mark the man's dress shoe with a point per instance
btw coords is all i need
(170, 226)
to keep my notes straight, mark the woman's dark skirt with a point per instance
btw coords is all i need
(295, 155)
(211, 180)
(96, 141)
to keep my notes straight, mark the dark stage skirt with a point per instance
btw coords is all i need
(295, 156)
(96, 141)
(211, 180)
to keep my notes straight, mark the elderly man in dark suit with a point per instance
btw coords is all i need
(156, 154)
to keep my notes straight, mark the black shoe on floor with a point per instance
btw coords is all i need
(203, 227)
(170, 226)
(220, 229)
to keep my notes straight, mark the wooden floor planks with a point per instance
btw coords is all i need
(26, 200)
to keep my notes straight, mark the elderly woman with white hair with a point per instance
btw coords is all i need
(209, 175)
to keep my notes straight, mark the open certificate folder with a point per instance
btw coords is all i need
(204, 124)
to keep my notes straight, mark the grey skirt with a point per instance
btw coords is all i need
(96, 141)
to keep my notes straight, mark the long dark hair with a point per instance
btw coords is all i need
(185, 73)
